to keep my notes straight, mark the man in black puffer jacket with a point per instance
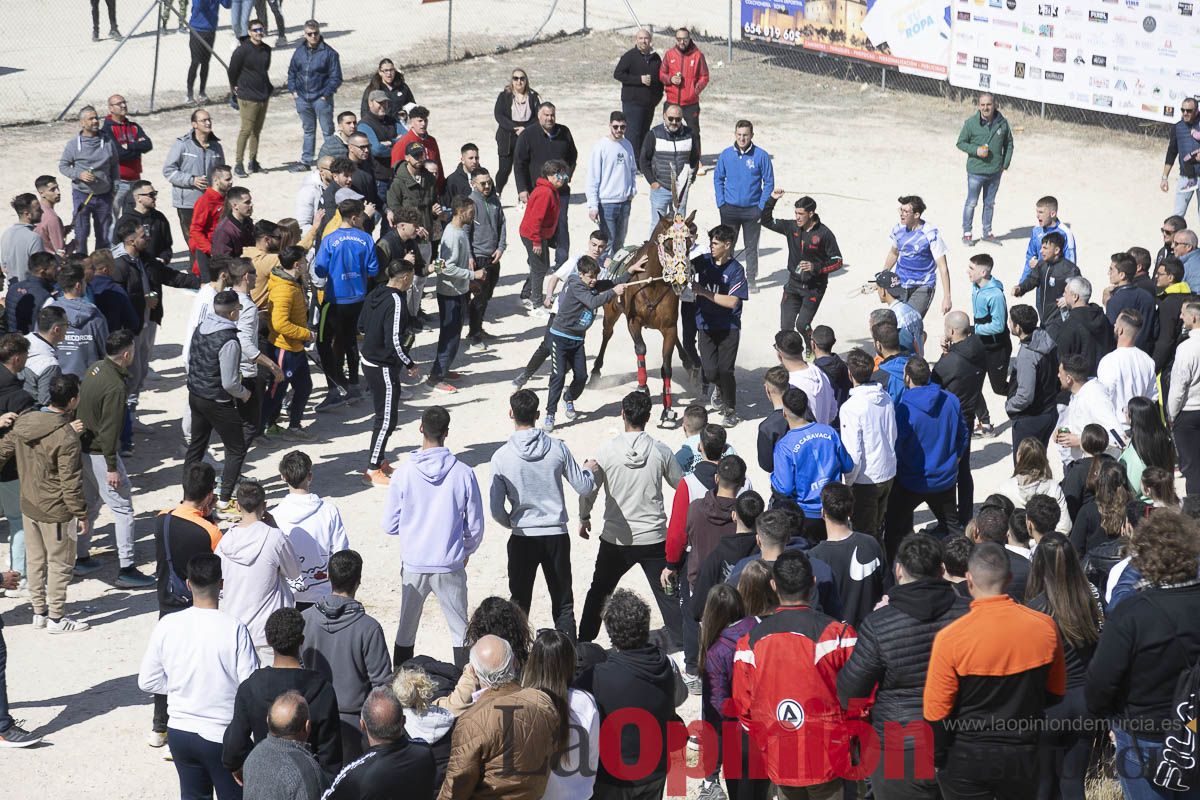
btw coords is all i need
(892, 656)
(1085, 331)
(961, 371)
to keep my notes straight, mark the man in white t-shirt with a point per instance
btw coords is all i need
(1127, 371)
(597, 243)
(822, 403)
(1091, 404)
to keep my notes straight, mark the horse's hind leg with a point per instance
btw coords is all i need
(610, 320)
(639, 350)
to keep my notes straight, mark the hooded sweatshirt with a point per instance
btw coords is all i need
(632, 467)
(41, 367)
(257, 562)
(435, 507)
(346, 646)
(86, 332)
(709, 519)
(1086, 331)
(1033, 381)
(868, 420)
(642, 678)
(314, 527)
(932, 437)
(526, 494)
(382, 323)
(95, 154)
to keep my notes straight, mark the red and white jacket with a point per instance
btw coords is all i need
(785, 694)
(692, 68)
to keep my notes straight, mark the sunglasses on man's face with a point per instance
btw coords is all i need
(258, 30)
(674, 119)
(148, 194)
(518, 78)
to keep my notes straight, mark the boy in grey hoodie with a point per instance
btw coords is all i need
(86, 326)
(346, 645)
(631, 468)
(434, 506)
(42, 365)
(526, 496)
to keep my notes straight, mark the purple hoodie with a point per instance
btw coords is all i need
(718, 670)
(435, 507)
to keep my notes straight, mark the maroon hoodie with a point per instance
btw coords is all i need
(708, 519)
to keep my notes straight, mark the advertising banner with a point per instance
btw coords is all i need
(910, 35)
(1131, 57)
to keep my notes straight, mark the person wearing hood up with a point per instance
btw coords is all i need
(526, 497)
(868, 432)
(346, 645)
(932, 438)
(892, 654)
(961, 371)
(43, 366)
(313, 526)
(1086, 331)
(214, 383)
(631, 468)
(83, 343)
(435, 507)
(636, 675)
(382, 323)
(1033, 380)
(258, 564)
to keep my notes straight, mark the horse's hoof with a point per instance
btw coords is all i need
(668, 419)
(643, 389)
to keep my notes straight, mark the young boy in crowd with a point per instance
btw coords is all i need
(313, 526)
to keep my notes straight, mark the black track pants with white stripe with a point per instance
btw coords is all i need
(385, 392)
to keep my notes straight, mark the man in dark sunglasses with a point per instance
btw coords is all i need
(160, 243)
(612, 183)
(1184, 147)
(249, 75)
(314, 75)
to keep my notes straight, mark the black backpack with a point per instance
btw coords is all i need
(1176, 768)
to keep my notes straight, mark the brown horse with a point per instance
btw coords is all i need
(654, 304)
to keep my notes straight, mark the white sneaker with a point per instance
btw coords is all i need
(39, 621)
(66, 625)
(157, 739)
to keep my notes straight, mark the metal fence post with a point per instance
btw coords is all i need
(585, 27)
(729, 55)
(157, 46)
(883, 78)
(312, 14)
(449, 30)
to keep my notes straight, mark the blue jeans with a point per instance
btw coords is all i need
(10, 505)
(310, 113)
(989, 185)
(562, 236)
(239, 14)
(660, 206)
(122, 200)
(450, 324)
(1184, 199)
(198, 762)
(1129, 763)
(92, 212)
(614, 221)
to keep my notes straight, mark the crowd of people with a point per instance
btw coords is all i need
(1005, 643)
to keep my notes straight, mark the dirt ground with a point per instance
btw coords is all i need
(851, 147)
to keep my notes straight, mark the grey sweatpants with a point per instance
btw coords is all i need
(97, 492)
(451, 591)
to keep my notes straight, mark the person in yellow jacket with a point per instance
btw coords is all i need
(288, 307)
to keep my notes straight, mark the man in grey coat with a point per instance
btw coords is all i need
(489, 239)
(526, 496)
(189, 166)
(92, 163)
(281, 767)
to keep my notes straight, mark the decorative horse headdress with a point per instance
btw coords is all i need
(677, 267)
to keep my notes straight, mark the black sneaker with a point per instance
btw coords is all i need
(130, 578)
(255, 166)
(114, 33)
(240, 171)
(95, 35)
(16, 736)
(85, 566)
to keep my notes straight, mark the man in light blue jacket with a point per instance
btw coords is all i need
(743, 181)
(435, 507)
(526, 497)
(612, 182)
(314, 75)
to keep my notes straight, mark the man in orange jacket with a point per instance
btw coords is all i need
(205, 216)
(539, 226)
(684, 74)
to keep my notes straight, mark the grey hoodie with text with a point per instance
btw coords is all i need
(632, 467)
(346, 645)
(526, 494)
(86, 332)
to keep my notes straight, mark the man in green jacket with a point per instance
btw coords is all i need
(986, 138)
(102, 398)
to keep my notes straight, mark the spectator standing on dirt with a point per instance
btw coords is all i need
(92, 163)
(641, 88)
(1184, 146)
(314, 75)
(249, 77)
(131, 143)
(190, 168)
(986, 138)
(51, 227)
(536, 146)
(684, 74)
(918, 255)
(516, 108)
(813, 254)
(743, 181)
(666, 150)
(21, 241)
(612, 182)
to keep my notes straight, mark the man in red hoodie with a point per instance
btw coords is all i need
(131, 141)
(205, 216)
(684, 74)
(540, 224)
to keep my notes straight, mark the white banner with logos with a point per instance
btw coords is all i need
(1132, 57)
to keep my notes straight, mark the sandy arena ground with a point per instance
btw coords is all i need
(853, 148)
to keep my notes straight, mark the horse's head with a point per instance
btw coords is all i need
(675, 237)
